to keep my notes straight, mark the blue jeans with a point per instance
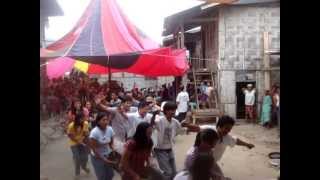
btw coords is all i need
(80, 157)
(103, 171)
(166, 162)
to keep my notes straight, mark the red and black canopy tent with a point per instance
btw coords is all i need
(105, 41)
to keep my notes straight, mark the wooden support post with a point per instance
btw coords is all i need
(181, 36)
(182, 45)
(266, 60)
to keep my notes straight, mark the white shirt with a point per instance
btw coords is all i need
(183, 175)
(220, 147)
(203, 88)
(278, 99)
(167, 132)
(182, 99)
(209, 90)
(249, 97)
(133, 109)
(135, 119)
(103, 139)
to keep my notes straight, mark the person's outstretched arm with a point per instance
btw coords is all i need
(242, 143)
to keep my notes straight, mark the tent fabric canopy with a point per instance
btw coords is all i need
(104, 37)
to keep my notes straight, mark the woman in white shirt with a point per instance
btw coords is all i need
(101, 142)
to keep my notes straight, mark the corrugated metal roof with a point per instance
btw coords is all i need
(254, 1)
(171, 21)
(240, 1)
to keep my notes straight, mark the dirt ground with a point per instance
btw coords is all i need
(238, 163)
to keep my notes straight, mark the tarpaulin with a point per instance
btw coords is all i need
(104, 37)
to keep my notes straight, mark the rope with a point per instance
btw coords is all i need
(204, 59)
(190, 58)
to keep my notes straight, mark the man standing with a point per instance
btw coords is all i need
(210, 94)
(276, 105)
(249, 93)
(182, 102)
(168, 128)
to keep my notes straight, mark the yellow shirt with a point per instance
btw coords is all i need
(78, 133)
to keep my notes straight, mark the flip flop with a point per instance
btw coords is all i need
(274, 155)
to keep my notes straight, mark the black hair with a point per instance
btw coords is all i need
(127, 92)
(181, 88)
(140, 137)
(224, 120)
(201, 166)
(72, 108)
(169, 105)
(143, 104)
(78, 121)
(206, 135)
(149, 95)
(127, 99)
(99, 118)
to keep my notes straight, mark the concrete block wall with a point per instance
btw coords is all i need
(241, 34)
(241, 46)
(227, 92)
(128, 80)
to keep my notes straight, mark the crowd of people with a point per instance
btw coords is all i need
(144, 142)
(133, 132)
(270, 109)
(57, 95)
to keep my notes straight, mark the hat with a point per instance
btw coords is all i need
(249, 85)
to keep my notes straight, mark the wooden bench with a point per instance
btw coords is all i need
(205, 114)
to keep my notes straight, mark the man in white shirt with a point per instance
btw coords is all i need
(210, 94)
(168, 128)
(250, 94)
(141, 115)
(182, 102)
(224, 126)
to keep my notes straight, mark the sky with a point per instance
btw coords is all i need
(148, 15)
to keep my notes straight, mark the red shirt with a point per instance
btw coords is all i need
(137, 160)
